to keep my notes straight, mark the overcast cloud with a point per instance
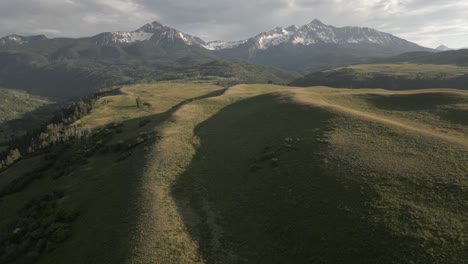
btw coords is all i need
(426, 22)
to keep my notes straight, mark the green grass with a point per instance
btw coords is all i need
(433, 109)
(415, 102)
(268, 189)
(452, 57)
(96, 187)
(260, 174)
(295, 183)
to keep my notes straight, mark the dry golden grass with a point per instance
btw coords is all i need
(162, 96)
(351, 103)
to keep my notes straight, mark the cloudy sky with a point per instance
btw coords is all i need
(426, 22)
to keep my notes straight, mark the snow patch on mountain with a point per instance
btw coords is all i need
(20, 40)
(130, 37)
(218, 44)
(15, 38)
(274, 37)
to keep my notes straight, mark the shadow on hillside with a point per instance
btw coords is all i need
(265, 194)
(456, 116)
(415, 102)
(347, 78)
(28, 122)
(447, 106)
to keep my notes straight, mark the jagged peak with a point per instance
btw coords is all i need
(156, 24)
(152, 25)
(292, 28)
(317, 23)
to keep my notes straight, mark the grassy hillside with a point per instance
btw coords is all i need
(453, 57)
(401, 76)
(21, 112)
(87, 190)
(204, 175)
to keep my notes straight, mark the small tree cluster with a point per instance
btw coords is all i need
(138, 102)
(56, 134)
(10, 159)
(42, 224)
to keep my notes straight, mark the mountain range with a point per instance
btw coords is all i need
(155, 49)
(316, 33)
(443, 48)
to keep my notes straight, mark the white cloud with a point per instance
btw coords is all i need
(427, 22)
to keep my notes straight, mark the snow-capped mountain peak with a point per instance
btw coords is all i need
(129, 37)
(150, 26)
(317, 22)
(154, 31)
